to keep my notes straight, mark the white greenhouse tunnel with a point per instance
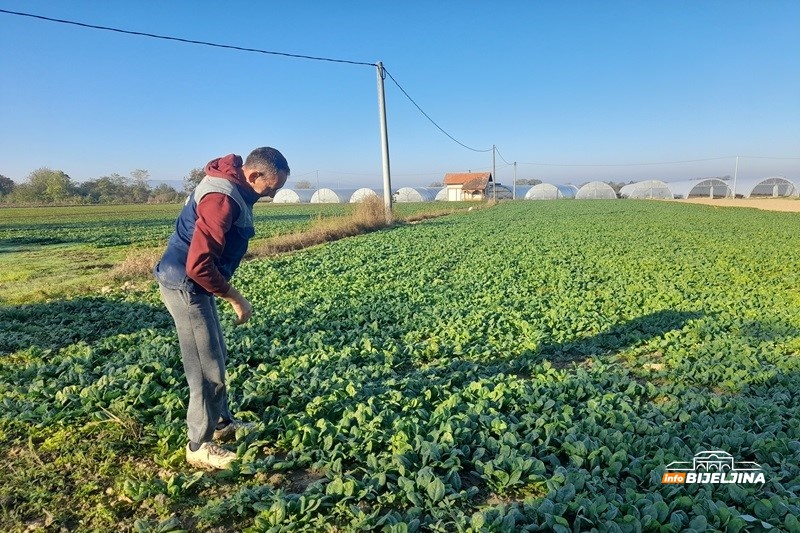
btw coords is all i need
(549, 191)
(596, 190)
(363, 193)
(705, 188)
(293, 196)
(332, 196)
(647, 189)
(773, 186)
(415, 194)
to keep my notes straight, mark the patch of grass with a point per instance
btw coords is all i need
(54, 271)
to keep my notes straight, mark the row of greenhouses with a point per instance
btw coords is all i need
(343, 196)
(403, 194)
(774, 186)
(771, 187)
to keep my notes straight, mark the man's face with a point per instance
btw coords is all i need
(268, 183)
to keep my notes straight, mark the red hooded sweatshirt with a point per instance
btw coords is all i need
(216, 213)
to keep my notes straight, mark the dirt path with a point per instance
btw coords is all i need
(769, 204)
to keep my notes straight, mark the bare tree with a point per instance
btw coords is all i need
(303, 184)
(140, 189)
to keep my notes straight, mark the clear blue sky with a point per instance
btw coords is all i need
(558, 83)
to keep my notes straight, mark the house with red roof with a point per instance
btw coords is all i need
(467, 185)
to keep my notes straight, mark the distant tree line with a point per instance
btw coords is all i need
(47, 186)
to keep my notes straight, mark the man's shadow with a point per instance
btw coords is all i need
(618, 337)
(615, 339)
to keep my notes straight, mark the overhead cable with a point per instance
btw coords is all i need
(501, 156)
(763, 157)
(626, 164)
(428, 117)
(239, 48)
(189, 41)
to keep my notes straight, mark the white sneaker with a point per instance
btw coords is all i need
(229, 432)
(210, 456)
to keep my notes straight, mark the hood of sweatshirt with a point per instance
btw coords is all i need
(230, 168)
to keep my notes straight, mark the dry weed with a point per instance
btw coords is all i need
(137, 264)
(364, 217)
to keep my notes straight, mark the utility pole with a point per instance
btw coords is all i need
(514, 192)
(735, 175)
(317, 179)
(387, 179)
(494, 175)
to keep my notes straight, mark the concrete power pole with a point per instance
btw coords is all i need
(494, 175)
(514, 192)
(387, 178)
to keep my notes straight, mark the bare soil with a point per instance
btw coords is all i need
(769, 204)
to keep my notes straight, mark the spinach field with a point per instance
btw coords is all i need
(532, 366)
(53, 252)
(58, 252)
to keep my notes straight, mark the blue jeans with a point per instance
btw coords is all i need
(204, 356)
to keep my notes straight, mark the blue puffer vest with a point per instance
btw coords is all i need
(171, 270)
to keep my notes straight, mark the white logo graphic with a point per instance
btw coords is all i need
(713, 466)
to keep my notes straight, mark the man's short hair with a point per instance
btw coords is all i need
(267, 158)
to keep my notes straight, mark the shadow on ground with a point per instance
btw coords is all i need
(561, 355)
(54, 325)
(619, 337)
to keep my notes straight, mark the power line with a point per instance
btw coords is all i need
(762, 157)
(241, 49)
(362, 63)
(501, 156)
(626, 164)
(428, 117)
(188, 41)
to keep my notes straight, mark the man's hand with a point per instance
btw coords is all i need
(240, 305)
